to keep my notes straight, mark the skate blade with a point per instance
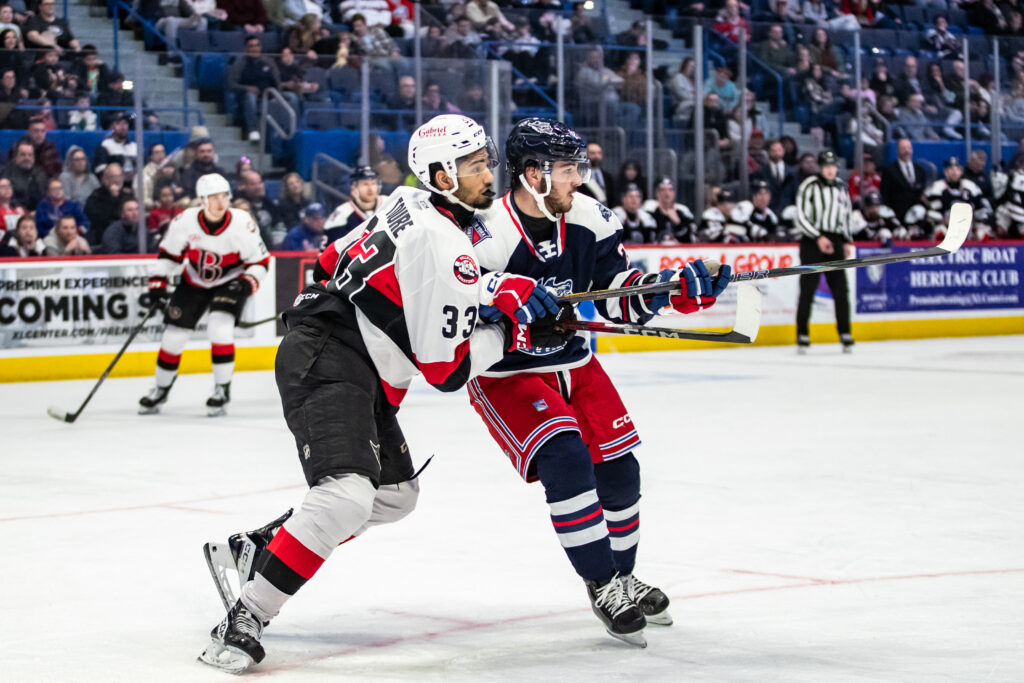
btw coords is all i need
(226, 658)
(637, 638)
(218, 411)
(662, 618)
(143, 410)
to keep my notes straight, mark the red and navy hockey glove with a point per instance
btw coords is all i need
(158, 294)
(699, 289)
(522, 299)
(545, 333)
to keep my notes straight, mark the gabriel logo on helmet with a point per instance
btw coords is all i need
(465, 270)
(433, 131)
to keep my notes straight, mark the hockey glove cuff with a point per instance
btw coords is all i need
(522, 299)
(699, 289)
(545, 333)
(158, 294)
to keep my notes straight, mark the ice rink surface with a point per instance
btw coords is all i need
(824, 518)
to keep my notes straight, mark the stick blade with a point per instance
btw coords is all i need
(748, 311)
(961, 219)
(58, 414)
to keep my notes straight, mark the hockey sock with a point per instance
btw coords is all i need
(567, 473)
(221, 330)
(618, 486)
(167, 360)
(330, 513)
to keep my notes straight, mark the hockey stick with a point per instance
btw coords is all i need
(254, 323)
(58, 414)
(744, 331)
(961, 217)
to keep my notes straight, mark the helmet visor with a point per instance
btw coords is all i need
(568, 170)
(476, 163)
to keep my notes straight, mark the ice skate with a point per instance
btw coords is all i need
(847, 341)
(803, 345)
(216, 405)
(622, 618)
(235, 644)
(651, 601)
(151, 402)
(238, 556)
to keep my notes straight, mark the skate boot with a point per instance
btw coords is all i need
(803, 344)
(216, 405)
(151, 402)
(651, 601)
(235, 641)
(847, 341)
(622, 618)
(239, 556)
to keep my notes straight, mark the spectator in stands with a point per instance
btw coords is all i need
(903, 181)
(581, 28)
(601, 185)
(375, 12)
(634, 80)
(12, 56)
(293, 199)
(10, 210)
(55, 205)
(674, 221)
(599, 86)
(715, 119)
(117, 147)
(402, 100)
(941, 40)
(11, 118)
(27, 179)
(77, 178)
(638, 226)
(7, 23)
(104, 205)
(947, 102)
(483, 12)
(526, 54)
(871, 181)
(116, 96)
(93, 75)
(728, 93)
(196, 15)
(912, 121)
(247, 15)
(463, 42)
(635, 36)
(373, 41)
(807, 165)
(907, 83)
(263, 209)
(66, 240)
(248, 77)
(204, 164)
(47, 72)
(82, 117)
(154, 160)
(45, 30)
(631, 173)
(23, 241)
(987, 16)
(730, 23)
(473, 103)
(309, 234)
(826, 54)
(46, 155)
(684, 92)
(975, 172)
(305, 35)
(164, 211)
(817, 12)
(881, 83)
(433, 43)
(435, 103)
(776, 53)
(122, 236)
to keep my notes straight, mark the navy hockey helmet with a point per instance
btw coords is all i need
(542, 142)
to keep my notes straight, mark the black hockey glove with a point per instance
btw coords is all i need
(545, 333)
(158, 294)
(243, 286)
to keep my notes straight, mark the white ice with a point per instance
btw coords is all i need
(818, 518)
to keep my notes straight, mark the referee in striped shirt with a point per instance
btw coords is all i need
(823, 217)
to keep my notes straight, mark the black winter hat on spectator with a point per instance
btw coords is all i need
(759, 186)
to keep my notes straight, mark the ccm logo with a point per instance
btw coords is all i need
(622, 421)
(521, 337)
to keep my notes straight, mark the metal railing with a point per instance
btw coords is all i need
(267, 120)
(322, 159)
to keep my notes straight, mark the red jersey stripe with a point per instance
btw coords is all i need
(436, 373)
(296, 556)
(394, 395)
(385, 282)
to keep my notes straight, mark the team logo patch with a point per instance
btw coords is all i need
(540, 405)
(173, 312)
(606, 213)
(478, 232)
(465, 270)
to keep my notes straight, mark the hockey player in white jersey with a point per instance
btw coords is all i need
(365, 200)
(554, 412)
(402, 301)
(754, 215)
(954, 187)
(224, 260)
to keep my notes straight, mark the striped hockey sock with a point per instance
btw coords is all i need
(624, 534)
(580, 525)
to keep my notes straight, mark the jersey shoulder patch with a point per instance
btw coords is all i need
(594, 216)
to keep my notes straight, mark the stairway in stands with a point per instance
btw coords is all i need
(161, 85)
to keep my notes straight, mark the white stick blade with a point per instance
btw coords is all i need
(748, 310)
(57, 414)
(961, 218)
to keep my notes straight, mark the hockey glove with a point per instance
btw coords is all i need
(243, 286)
(522, 299)
(699, 288)
(545, 333)
(158, 295)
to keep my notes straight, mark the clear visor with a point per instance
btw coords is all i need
(568, 170)
(476, 163)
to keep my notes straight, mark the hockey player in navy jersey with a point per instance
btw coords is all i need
(365, 200)
(554, 411)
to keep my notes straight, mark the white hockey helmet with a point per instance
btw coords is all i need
(212, 183)
(444, 140)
